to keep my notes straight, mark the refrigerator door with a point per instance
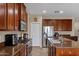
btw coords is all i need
(48, 32)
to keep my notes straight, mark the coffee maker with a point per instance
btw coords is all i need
(24, 37)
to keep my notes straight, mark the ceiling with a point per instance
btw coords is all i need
(69, 9)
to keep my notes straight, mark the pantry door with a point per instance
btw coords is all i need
(36, 34)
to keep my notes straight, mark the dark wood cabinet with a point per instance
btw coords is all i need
(45, 22)
(24, 14)
(59, 24)
(22, 11)
(54, 51)
(11, 14)
(67, 25)
(66, 52)
(17, 54)
(21, 51)
(17, 16)
(2, 16)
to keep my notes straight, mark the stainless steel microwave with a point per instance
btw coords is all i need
(22, 25)
(11, 39)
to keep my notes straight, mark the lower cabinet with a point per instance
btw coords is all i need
(65, 52)
(17, 54)
(54, 51)
(21, 52)
(51, 51)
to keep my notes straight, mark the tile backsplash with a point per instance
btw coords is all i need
(3, 33)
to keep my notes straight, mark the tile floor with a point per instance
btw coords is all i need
(38, 51)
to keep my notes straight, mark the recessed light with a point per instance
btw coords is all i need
(61, 12)
(44, 11)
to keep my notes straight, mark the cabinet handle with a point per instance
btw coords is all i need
(70, 52)
(62, 52)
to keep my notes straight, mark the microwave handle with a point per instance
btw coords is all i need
(13, 40)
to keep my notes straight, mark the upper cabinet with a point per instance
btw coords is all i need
(24, 14)
(10, 16)
(22, 11)
(17, 16)
(59, 24)
(45, 22)
(2, 16)
(67, 25)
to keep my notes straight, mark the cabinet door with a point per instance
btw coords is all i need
(49, 22)
(64, 25)
(17, 54)
(22, 11)
(59, 25)
(45, 22)
(67, 25)
(55, 25)
(17, 17)
(11, 17)
(59, 52)
(77, 51)
(66, 52)
(22, 51)
(2, 16)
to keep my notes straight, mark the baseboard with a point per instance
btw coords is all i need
(35, 46)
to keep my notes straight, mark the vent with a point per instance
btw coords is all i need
(58, 12)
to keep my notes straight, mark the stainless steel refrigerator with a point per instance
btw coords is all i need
(48, 32)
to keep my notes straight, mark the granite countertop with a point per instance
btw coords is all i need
(11, 50)
(67, 43)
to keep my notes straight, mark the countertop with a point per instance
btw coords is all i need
(67, 43)
(11, 50)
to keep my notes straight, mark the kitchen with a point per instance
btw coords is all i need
(22, 28)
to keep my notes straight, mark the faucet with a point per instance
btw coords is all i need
(62, 40)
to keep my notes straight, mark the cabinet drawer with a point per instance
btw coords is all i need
(65, 52)
(77, 51)
(59, 52)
